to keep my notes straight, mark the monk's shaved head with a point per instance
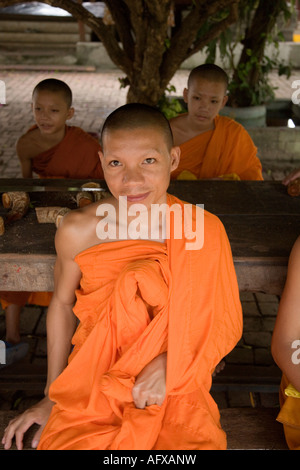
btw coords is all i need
(138, 116)
(210, 72)
(55, 86)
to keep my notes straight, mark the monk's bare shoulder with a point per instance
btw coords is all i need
(180, 129)
(178, 123)
(78, 229)
(29, 145)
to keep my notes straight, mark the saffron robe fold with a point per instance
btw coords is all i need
(228, 149)
(138, 299)
(289, 416)
(76, 156)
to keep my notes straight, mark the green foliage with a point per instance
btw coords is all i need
(169, 106)
(250, 84)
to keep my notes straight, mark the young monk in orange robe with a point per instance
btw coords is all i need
(75, 156)
(51, 149)
(286, 351)
(156, 314)
(212, 146)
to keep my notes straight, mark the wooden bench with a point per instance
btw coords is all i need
(249, 210)
(246, 428)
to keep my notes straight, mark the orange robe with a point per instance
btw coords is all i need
(23, 298)
(289, 416)
(228, 149)
(195, 316)
(76, 156)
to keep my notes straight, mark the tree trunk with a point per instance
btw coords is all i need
(144, 47)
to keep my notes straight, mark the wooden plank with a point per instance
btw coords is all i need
(261, 220)
(246, 429)
(219, 197)
(265, 379)
(253, 428)
(238, 197)
(23, 376)
(261, 237)
(33, 273)
(261, 275)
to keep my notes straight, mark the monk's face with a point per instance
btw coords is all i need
(137, 164)
(50, 111)
(204, 101)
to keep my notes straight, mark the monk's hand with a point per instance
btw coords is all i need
(150, 384)
(292, 176)
(37, 414)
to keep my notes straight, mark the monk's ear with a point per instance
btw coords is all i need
(185, 95)
(175, 157)
(101, 156)
(225, 99)
(70, 113)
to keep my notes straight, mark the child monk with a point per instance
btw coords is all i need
(156, 314)
(286, 351)
(51, 149)
(212, 146)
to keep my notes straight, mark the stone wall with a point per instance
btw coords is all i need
(277, 144)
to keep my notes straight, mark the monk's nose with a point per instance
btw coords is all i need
(44, 114)
(132, 176)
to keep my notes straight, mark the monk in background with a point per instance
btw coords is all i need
(50, 149)
(286, 351)
(212, 146)
(156, 312)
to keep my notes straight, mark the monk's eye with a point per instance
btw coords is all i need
(114, 163)
(55, 110)
(149, 161)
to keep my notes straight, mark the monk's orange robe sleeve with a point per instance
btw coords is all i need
(76, 156)
(226, 150)
(137, 299)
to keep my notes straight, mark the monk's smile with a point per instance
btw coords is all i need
(137, 197)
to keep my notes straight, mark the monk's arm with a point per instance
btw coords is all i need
(23, 152)
(61, 324)
(253, 172)
(291, 176)
(246, 153)
(286, 334)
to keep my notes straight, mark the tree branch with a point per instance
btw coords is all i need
(121, 17)
(104, 32)
(214, 31)
(187, 33)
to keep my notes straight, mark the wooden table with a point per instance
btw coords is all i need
(262, 222)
